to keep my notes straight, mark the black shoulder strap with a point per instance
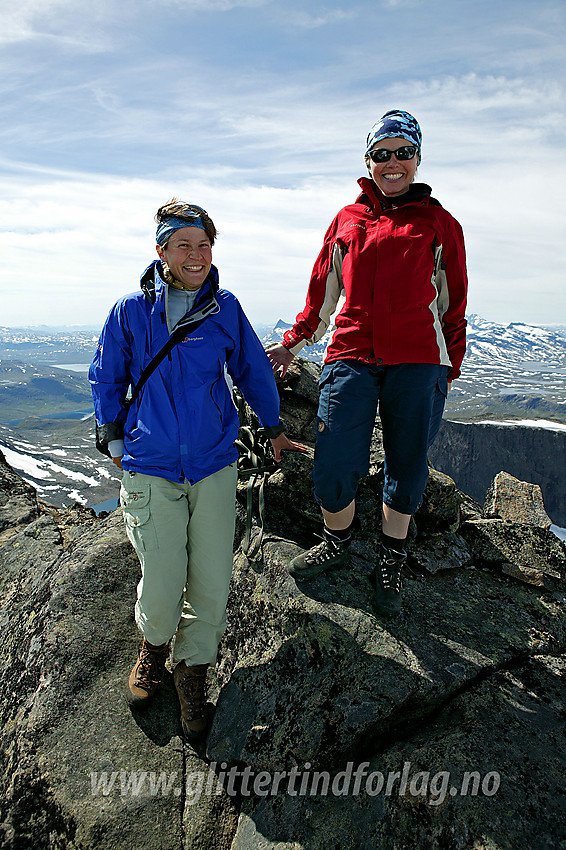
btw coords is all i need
(186, 326)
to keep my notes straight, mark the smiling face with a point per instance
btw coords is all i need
(188, 253)
(395, 176)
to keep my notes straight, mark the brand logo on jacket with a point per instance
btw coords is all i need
(193, 338)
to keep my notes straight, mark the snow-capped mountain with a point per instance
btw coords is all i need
(48, 345)
(315, 353)
(517, 342)
(488, 343)
(510, 371)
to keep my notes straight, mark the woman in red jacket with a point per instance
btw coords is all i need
(398, 259)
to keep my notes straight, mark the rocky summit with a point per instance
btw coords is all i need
(333, 728)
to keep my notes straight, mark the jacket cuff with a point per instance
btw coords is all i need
(290, 340)
(116, 448)
(275, 430)
(105, 434)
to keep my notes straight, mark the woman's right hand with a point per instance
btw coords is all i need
(117, 461)
(280, 358)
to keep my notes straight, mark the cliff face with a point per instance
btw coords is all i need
(472, 454)
(443, 729)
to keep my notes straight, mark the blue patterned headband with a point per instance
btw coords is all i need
(396, 123)
(166, 228)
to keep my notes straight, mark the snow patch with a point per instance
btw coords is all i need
(527, 423)
(76, 497)
(26, 464)
(74, 476)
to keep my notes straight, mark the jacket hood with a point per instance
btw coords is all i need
(152, 283)
(372, 196)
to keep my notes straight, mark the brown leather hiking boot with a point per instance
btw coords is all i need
(146, 673)
(190, 683)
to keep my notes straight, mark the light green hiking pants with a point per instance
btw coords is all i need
(183, 535)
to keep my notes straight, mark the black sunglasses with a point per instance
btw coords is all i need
(384, 155)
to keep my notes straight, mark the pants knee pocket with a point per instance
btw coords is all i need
(442, 383)
(323, 403)
(135, 500)
(327, 392)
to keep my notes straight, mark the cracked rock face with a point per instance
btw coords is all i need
(464, 691)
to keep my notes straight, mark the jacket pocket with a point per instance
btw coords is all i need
(135, 499)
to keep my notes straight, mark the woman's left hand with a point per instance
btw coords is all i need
(283, 443)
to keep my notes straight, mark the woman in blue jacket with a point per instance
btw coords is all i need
(175, 443)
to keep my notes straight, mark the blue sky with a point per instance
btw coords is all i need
(258, 111)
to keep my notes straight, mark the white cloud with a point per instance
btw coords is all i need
(26, 19)
(87, 240)
(72, 23)
(308, 20)
(18, 19)
(211, 5)
(271, 143)
(217, 5)
(477, 94)
(396, 4)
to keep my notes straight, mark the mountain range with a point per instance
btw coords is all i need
(514, 372)
(486, 342)
(47, 344)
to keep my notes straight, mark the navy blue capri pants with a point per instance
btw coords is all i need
(411, 398)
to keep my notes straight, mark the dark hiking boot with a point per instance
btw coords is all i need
(328, 555)
(386, 581)
(146, 674)
(190, 683)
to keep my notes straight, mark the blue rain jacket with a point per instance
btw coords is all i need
(184, 423)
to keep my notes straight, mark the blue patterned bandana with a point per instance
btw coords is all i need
(166, 228)
(396, 123)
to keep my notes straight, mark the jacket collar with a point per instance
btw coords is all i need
(418, 193)
(153, 285)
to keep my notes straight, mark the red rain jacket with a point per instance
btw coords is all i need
(400, 264)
